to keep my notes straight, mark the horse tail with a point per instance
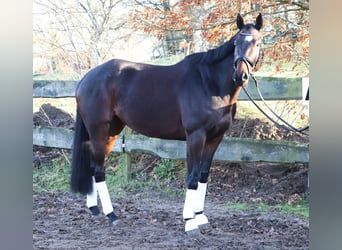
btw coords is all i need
(81, 171)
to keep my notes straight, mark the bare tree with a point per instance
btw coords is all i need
(81, 33)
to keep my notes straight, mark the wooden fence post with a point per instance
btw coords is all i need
(127, 157)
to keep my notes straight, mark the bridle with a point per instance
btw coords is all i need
(251, 68)
(247, 61)
(250, 65)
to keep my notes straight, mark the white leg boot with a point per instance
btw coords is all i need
(104, 197)
(92, 200)
(106, 203)
(200, 218)
(188, 211)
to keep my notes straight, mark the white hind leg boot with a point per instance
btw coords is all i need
(92, 197)
(92, 200)
(104, 197)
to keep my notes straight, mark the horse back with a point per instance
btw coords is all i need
(142, 96)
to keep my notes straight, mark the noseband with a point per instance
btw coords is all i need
(247, 61)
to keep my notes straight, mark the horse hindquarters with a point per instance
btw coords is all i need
(81, 172)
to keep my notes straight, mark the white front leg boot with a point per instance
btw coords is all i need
(188, 211)
(200, 218)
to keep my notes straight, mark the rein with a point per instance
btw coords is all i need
(287, 126)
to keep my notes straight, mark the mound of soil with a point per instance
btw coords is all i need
(51, 116)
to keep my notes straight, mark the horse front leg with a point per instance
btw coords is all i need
(195, 146)
(207, 157)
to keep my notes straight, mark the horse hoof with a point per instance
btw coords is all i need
(205, 228)
(117, 223)
(95, 211)
(193, 233)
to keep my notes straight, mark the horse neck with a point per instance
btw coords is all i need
(220, 75)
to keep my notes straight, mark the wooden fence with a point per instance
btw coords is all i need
(231, 149)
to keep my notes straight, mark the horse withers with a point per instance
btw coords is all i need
(193, 100)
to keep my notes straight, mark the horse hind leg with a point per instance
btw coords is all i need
(102, 141)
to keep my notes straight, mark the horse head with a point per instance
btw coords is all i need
(248, 52)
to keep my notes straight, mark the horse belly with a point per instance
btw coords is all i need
(154, 120)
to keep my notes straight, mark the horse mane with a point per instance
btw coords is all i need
(220, 53)
(214, 55)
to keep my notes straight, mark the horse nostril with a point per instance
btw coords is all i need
(244, 76)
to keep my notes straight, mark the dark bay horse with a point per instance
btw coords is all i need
(193, 100)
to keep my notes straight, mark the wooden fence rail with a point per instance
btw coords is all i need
(231, 149)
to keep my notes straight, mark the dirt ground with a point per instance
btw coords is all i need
(153, 220)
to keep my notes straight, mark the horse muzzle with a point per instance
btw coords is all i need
(242, 68)
(241, 78)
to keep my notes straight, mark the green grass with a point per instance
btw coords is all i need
(298, 208)
(165, 169)
(54, 177)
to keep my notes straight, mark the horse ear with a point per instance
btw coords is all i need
(239, 21)
(258, 23)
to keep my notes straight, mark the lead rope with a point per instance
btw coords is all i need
(288, 126)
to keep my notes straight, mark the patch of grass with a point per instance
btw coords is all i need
(55, 177)
(165, 169)
(240, 206)
(298, 208)
(115, 171)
